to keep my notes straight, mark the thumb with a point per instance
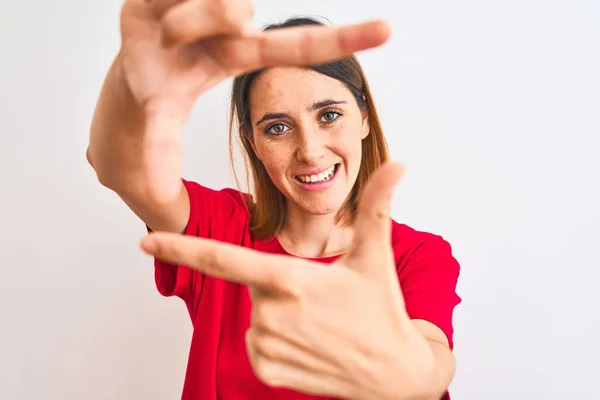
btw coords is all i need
(372, 227)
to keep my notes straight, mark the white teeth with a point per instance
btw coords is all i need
(321, 177)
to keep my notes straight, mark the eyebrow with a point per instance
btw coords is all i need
(313, 107)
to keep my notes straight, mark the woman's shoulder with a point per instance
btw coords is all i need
(411, 244)
(224, 196)
(221, 214)
(407, 234)
(428, 274)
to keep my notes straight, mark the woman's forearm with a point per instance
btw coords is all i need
(116, 134)
(401, 382)
(132, 144)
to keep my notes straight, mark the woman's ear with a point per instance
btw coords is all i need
(366, 126)
(250, 138)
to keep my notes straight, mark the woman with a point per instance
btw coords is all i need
(293, 292)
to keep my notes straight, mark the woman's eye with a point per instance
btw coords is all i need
(330, 116)
(276, 129)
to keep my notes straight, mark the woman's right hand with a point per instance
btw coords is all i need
(174, 50)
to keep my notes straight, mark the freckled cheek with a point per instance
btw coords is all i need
(276, 160)
(348, 144)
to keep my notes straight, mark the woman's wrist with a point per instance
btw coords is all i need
(404, 372)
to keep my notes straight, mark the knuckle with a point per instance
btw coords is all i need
(377, 211)
(161, 6)
(250, 9)
(267, 318)
(171, 26)
(224, 10)
(305, 50)
(272, 319)
(265, 349)
(259, 315)
(231, 18)
(264, 370)
(379, 215)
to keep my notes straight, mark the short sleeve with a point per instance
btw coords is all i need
(212, 215)
(428, 279)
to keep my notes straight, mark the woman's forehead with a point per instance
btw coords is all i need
(295, 87)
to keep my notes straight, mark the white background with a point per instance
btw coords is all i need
(493, 106)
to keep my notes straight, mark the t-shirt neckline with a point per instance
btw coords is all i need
(277, 247)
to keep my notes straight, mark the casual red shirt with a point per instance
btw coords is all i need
(218, 365)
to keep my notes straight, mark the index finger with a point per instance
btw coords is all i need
(221, 260)
(302, 45)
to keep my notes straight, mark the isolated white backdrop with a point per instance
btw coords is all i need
(493, 106)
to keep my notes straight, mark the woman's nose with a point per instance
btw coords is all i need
(310, 145)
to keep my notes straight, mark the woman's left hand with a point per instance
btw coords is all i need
(336, 330)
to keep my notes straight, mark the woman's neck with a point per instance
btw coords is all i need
(314, 236)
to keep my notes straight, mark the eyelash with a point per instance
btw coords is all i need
(331, 111)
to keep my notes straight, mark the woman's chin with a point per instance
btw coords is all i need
(319, 202)
(320, 207)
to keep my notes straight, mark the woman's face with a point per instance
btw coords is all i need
(307, 129)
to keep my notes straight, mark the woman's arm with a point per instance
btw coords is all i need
(445, 364)
(342, 331)
(434, 388)
(163, 66)
(119, 142)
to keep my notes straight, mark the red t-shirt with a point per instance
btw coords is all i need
(218, 365)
